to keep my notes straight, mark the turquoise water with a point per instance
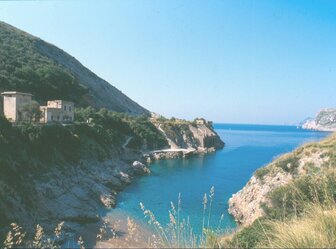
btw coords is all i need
(248, 147)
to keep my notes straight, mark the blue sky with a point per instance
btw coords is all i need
(256, 61)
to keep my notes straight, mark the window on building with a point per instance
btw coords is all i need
(52, 117)
(65, 108)
(70, 108)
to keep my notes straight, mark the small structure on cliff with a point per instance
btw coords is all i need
(14, 105)
(16, 108)
(57, 111)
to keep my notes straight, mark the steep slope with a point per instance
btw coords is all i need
(257, 197)
(325, 121)
(290, 203)
(30, 64)
(52, 173)
(188, 135)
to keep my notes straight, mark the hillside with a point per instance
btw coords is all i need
(290, 191)
(325, 121)
(29, 64)
(53, 173)
(73, 173)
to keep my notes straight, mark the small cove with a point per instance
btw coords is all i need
(248, 147)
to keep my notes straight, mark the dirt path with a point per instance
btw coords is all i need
(126, 142)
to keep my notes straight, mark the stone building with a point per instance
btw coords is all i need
(13, 105)
(58, 111)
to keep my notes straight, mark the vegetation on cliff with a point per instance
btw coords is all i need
(300, 213)
(188, 134)
(28, 64)
(28, 151)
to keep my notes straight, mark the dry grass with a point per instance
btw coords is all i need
(16, 238)
(316, 229)
(179, 233)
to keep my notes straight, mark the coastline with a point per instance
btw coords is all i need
(114, 224)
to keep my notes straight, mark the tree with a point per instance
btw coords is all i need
(32, 111)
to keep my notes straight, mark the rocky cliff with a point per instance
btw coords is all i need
(185, 139)
(182, 134)
(325, 121)
(250, 203)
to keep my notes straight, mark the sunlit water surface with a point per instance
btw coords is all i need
(247, 148)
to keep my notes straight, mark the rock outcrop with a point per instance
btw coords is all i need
(325, 121)
(182, 134)
(247, 204)
(75, 195)
(185, 139)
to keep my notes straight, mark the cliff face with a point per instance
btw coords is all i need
(29, 64)
(325, 121)
(189, 135)
(248, 204)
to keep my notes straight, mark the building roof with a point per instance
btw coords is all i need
(16, 93)
(60, 100)
(50, 108)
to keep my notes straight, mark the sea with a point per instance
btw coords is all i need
(247, 148)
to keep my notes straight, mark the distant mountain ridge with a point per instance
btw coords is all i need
(32, 65)
(325, 121)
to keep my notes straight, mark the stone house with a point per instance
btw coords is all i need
(58, 111)
(13, 105)
(55, 111)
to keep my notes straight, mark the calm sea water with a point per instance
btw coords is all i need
(248, 147)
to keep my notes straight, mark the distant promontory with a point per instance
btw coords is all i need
(325, 120)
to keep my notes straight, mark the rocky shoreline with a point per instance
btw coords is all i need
(175, 154)
(248, 204)
(82, 193)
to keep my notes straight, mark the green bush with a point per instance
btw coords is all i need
(118, 125)
(250, 236)
(289, 165)
(260, 173)
(290, 200)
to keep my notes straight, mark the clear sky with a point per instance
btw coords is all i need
(256, 61)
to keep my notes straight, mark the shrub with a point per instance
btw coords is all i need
(260, 173)
(289, 164)
(290, 200)
(250, 236)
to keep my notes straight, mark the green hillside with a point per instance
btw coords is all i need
(28, 152)
(23, 68)
(29, 64)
